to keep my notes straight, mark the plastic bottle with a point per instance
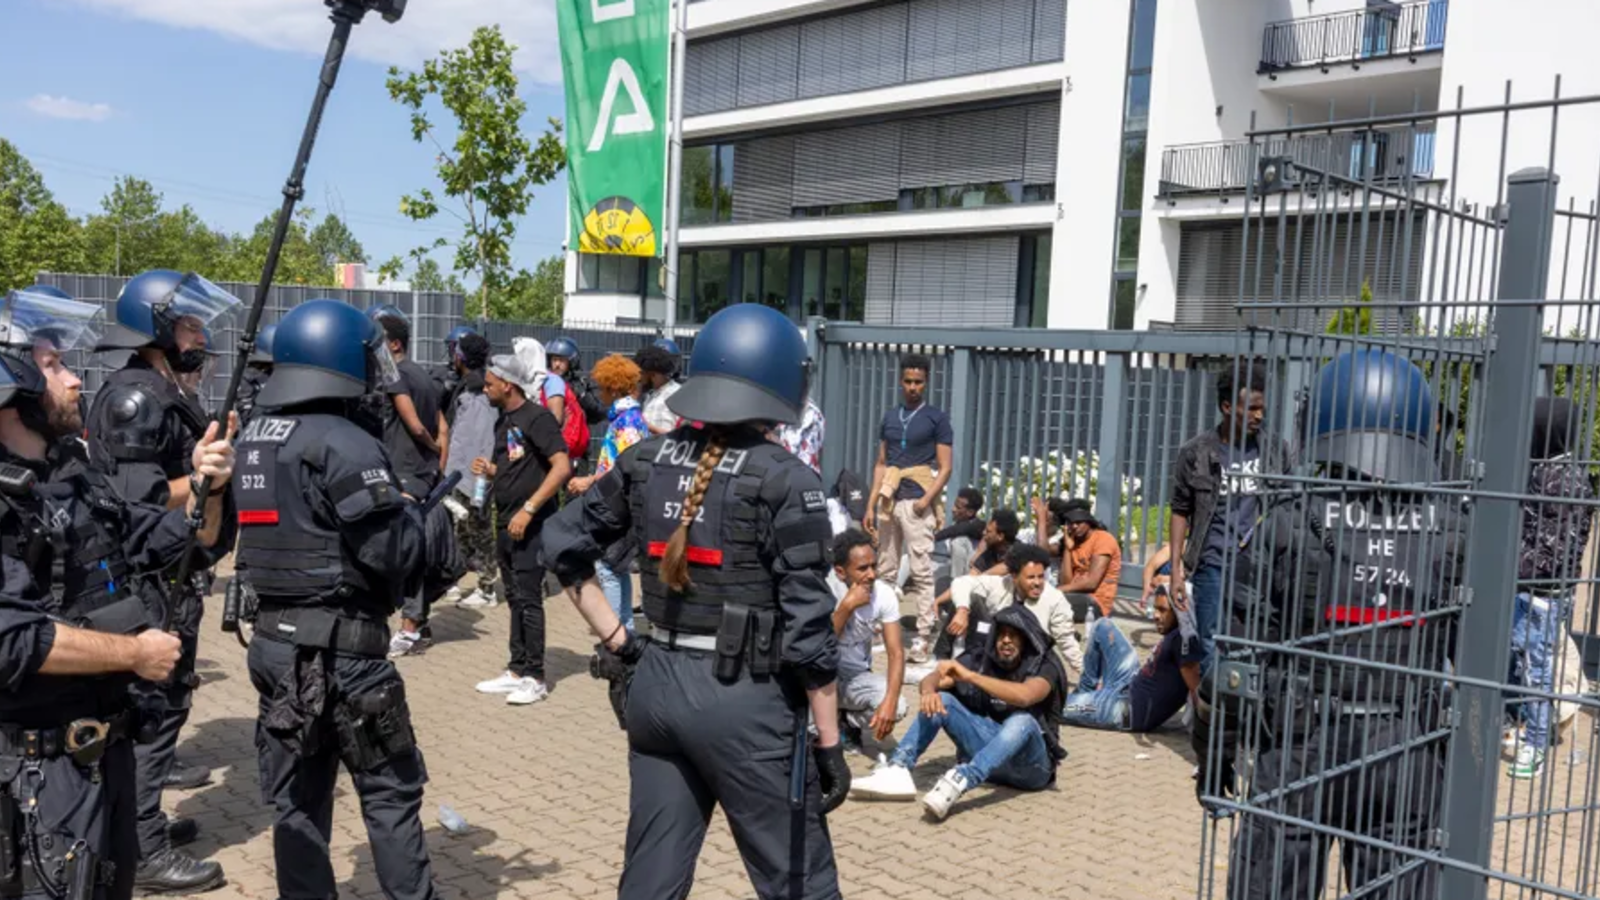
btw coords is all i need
(452, 821)
(480, 492)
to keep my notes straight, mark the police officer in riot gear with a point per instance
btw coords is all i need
(1359, 565)
(562, 354)
(741, 643)
(444, 374)
(332, 547)
(142, 428)
(76, 634)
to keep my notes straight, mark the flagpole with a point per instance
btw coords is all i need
(675, 163)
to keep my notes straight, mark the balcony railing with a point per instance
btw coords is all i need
(1376, 32)
(1380, 155)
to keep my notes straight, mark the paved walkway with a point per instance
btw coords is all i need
(545, 790)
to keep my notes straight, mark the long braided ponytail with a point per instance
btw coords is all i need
(674, 571)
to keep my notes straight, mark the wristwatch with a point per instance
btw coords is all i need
(529, 508)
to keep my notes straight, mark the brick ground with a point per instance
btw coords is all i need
(545, 789)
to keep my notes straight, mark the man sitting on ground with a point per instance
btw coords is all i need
(867, 700)
(977, 598)
(999, 535)
(1093, 563)
(961, 537)
(1000, 703)
(1116, 692)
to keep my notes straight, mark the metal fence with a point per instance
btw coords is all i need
(432, 316)
(1397, 688)
(1377, 31)
(1381, 155)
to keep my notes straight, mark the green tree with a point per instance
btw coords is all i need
(491, 168)
(299, 263)
(336, 243)
(426, 277)
(36, 233)
(1354, 319)
(538, 296)
(123, 238)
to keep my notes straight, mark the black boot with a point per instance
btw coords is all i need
(182, 830)
(172, 871)
(186, 776)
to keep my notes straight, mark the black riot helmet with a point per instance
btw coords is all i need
(1372, 415)
(29, 318)
(749, 365)
(326, 350)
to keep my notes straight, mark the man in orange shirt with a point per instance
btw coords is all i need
(1094, 562)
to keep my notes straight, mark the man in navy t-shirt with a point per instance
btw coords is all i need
(1116, 692)
(915, 445)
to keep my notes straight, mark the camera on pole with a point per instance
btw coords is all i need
(345, 14)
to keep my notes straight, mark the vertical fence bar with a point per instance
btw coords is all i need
(1484, 648)
(836, 407)
(962, 463)
(1113, 406)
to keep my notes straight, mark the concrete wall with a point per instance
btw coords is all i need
(1084, 235)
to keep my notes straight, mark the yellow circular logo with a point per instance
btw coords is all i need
(617, 225)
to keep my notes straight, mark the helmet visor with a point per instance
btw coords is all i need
(200, 299)
(384, 370)
(27, 317)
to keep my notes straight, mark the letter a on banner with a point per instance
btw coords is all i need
(614, 56)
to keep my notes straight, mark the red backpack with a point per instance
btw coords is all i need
(574, 425)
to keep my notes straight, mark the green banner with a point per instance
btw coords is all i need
(614, 56)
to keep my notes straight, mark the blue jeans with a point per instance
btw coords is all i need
(1109, 667)
(1535, 631)
(1207, 602)
(1012, 753)
(618, 591)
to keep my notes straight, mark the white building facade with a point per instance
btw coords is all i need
(1063, 164)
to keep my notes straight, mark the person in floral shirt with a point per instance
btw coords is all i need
(805, 439)
(617, 378)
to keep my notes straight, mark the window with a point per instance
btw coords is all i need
(1033, 282)
(1144, 34)
(971, 196)
(855, 306)
(1137, 116)
(1128, 243)
(707, 184)
(712, 269)
(775, 278)
(602, 273)
(1124, 298)
(1133, 152)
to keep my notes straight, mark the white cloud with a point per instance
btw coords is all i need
(68, 108)
(428, 27)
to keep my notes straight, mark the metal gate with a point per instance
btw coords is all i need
(1389, 656)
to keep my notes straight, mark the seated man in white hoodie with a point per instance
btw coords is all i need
(1026, 585)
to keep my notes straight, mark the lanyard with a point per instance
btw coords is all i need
(905, 423)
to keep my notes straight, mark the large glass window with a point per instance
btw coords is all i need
(708, 184)
(1040, 314)
(1133, 152)
(811, 283)
(712, 270)
(855, 307)
(832, 281)
(1124, 296)
(775, 278)
(1135, 122)
(1128, 243)
(603, 273)
(1137, 117)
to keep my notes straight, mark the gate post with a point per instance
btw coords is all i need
(1484, 643)
(961, 424)
(1113, 406)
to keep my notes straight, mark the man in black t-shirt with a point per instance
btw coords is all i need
(529, 467)
(413, 427)
(1116, 692)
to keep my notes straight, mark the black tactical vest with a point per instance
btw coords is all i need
(1388, 561)
(294, 554)
(139, 440)
(727, 562)
(69, 532)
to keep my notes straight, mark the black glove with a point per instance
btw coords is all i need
(834, 773)
(617, 668)
(1200, 741)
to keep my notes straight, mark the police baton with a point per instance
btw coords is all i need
(345, 14)
(441, 491)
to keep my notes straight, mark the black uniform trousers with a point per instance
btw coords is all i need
(1395, 799)
(695, 741)
(522, 573)
(301, 790)
(75, 806)
(154, 761)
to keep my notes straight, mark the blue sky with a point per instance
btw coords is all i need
(206, 100)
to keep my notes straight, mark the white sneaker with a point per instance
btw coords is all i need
(504, 683)
(887, 782)
(476, 600)
(950, 787)
(453, 595)
(529, 690)
(919, 651)
(403, 643)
